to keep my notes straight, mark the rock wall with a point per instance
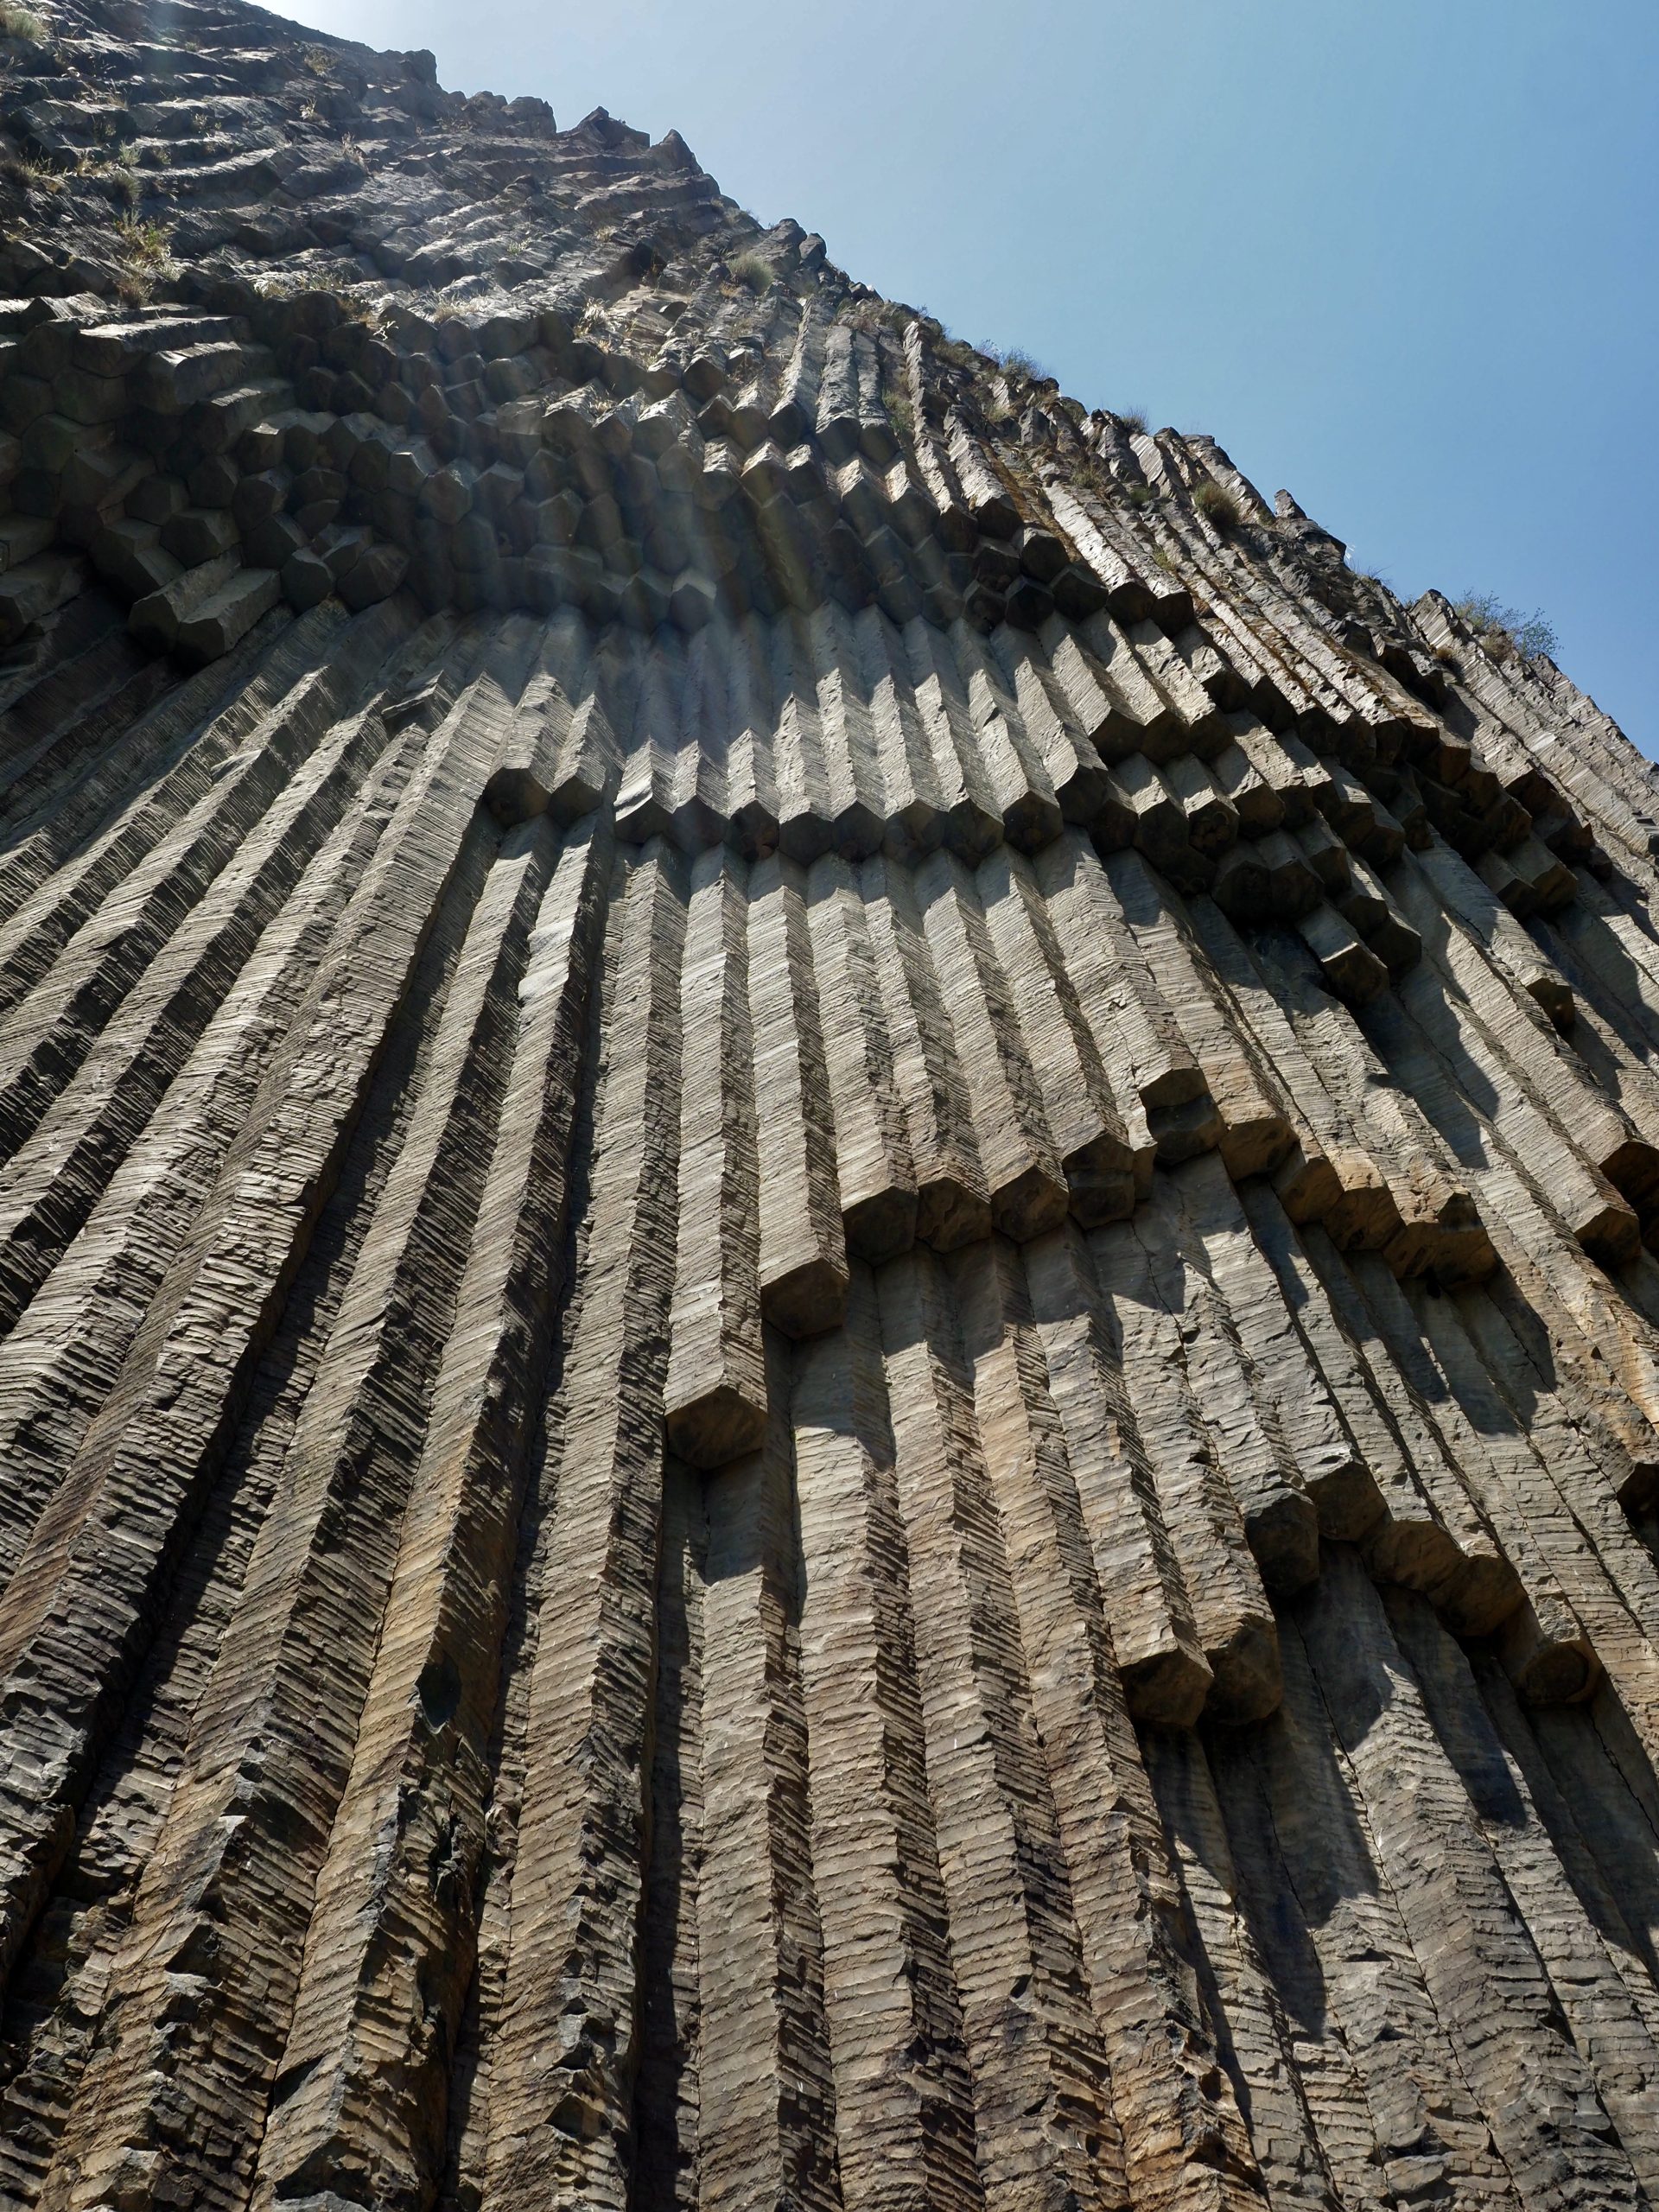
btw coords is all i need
(829, 1345)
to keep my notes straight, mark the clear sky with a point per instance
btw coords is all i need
(1403, 259)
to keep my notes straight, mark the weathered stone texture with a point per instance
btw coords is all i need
(829, 1346)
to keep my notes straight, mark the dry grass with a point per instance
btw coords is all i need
(755, 271)
(144, 244)
(1217, 506)
(901, 414)
(118, 176)
(1019, 363)
(1015, 361)
(145, 259)
(36, 174)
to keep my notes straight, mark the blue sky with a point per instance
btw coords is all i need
(1403, 260)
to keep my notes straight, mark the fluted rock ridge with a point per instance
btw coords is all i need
(829, 1345)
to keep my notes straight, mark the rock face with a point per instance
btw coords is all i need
(829, 1359)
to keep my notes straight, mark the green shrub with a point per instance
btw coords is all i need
(1503, 630)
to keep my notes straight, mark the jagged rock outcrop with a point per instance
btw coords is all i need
(829, 1345)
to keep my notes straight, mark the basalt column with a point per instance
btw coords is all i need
(829, 1336)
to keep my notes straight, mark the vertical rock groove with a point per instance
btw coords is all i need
(829, 1336)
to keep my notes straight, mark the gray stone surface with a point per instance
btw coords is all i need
(828, 1352)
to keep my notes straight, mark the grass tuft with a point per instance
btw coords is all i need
(755, 271)
(1217, 506)
(36, 174)
(1134, 420)
(1015, 361)
(1019, 363)
(145, 259)
(21, 23)
(118, 176)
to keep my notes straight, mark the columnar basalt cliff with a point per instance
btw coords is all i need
(828, 1358)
